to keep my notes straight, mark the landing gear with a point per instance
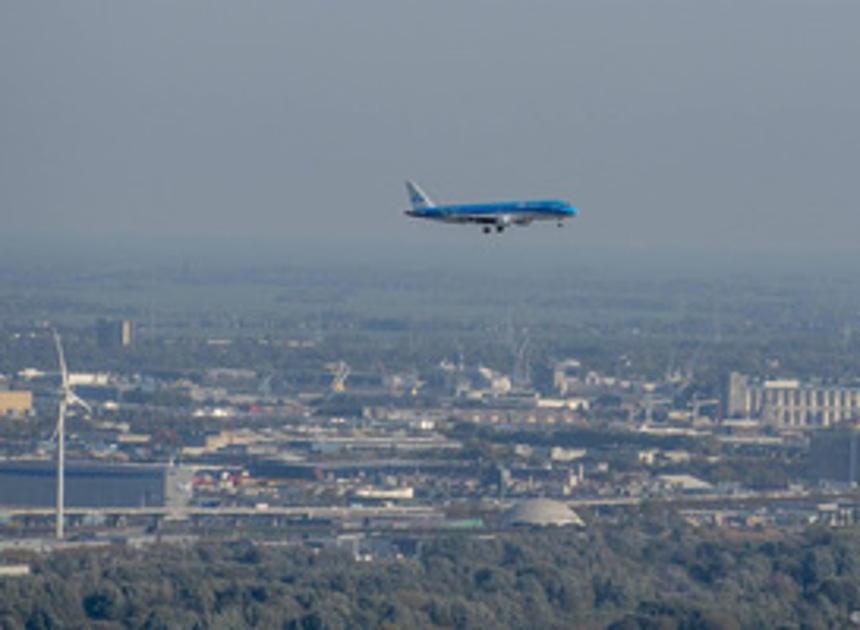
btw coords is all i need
(500, 228)
(487, 229)
(560, 224)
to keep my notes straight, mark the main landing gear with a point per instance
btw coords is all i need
(487, 229)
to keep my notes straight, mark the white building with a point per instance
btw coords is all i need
(790, 402)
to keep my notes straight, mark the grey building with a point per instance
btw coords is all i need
(114, 333)
(790, 402)
(834, 455)
(33, 483)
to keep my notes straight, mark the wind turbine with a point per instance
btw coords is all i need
(68, 398)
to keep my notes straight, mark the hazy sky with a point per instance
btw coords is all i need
(715, 125)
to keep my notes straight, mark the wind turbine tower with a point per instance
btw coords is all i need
(68, 398)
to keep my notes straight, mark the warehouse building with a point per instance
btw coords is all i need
(33, 483)
(834, 455)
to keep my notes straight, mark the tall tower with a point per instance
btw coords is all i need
(738, 385)
(114, 333)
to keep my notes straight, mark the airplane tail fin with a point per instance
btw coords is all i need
(417, 197)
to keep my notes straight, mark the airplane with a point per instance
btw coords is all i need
(498, 215)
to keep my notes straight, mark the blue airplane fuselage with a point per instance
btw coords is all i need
(498, 215)
(536, 209)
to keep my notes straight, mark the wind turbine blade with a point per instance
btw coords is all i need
(74, 399)
(64, 372)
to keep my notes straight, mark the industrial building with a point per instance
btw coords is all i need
(834, 455)
(33, 483)
(567, 375)
(16, 403)
(790, 402)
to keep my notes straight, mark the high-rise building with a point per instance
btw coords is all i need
(790, 402)
(114, 333)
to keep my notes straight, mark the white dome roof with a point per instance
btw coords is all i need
(542, 512)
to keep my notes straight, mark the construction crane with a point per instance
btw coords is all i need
(697, 403)
(649, 402)
(398, 382)
(340, 372)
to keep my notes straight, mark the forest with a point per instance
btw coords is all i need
(619, 576)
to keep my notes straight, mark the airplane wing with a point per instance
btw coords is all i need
(484, 219)
(480, 219)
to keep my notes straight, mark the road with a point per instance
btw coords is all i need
(185, 512)
(413, 511)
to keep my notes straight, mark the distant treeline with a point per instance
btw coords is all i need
(669, 576)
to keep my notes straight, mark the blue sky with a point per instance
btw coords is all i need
(674, 126)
